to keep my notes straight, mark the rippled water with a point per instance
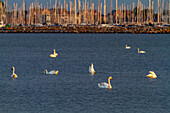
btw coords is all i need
(74, 90)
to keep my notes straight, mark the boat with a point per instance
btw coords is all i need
(2, 24)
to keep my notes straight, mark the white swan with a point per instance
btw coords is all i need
(91, 69)
(127, 47)
(13, 74)
(106, 85)
(141, 51)
(52, 72)
(151, 75)
(54, 54)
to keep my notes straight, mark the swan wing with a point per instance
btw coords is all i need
(127, 47)
(56, 54)
(103, 85)
(90, 70)
(149, 75)
(52, 72)
(151, 72)
(142, 52)
(12, 75)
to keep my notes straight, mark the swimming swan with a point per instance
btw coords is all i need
(151, 75)
(13, 74)
(52, 72)
(141, 51)
(127, 47)
(106, 85)
(91, 69)
(54, 54)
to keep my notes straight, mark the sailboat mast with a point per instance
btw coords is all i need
(111, 22)
(61, 12)
(79, 12)
(138, 13)
(100, 13)
(133, 16)
(92, 8)
(152, 12)
(116, 11)
(6, 10)
(23, 12)
(55, 12)
(169, 11)
(158, 11)
(85, 12)
(162, 10)
(122, 9)
(70, 10)
(75, 12)
(124, 13)
(67, 13)
(105, 11)
(64, 10)
(149, 20)
(1, 10)
(98, 16)
(130, 13)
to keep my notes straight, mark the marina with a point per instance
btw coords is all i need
(85, 17)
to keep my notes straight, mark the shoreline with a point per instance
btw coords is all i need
(95, 30)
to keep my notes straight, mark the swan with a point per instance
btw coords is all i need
(141, 51)
(151, 75)
(52, 72)
(91, 69)
(54, 54)
(106, 85)
(127, 47)
(13, 74)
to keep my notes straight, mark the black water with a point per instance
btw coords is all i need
(74, 90)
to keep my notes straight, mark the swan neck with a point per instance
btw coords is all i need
(109, 83)
(13, 70)
(46, 71)
(54, 52)
(92, 67)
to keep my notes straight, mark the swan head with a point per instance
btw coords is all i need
(45, 71)
(12, 68)
(111, 77)
(54, 50)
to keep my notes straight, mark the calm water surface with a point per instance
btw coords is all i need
(74, 90)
